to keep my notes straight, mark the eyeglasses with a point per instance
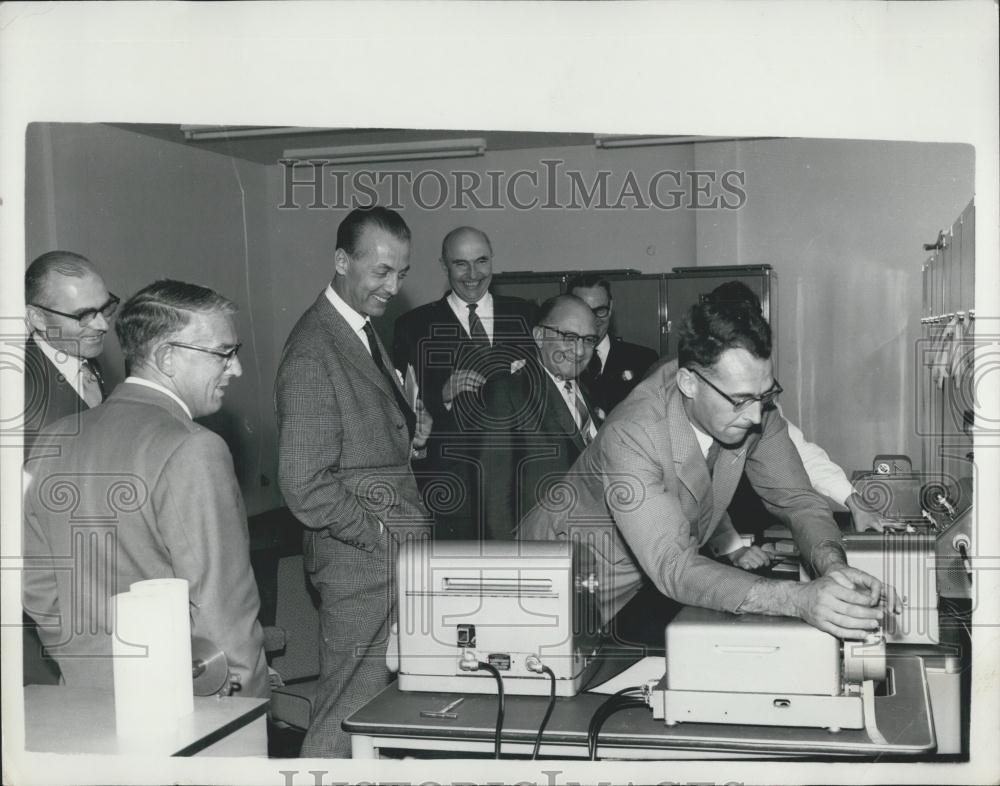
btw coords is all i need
(226, 354)
(590, 341)
(87, 315)
(601, 312)
(743, 402)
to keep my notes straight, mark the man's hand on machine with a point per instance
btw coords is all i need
(845, 602)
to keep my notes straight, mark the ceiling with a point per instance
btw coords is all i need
(267, 150)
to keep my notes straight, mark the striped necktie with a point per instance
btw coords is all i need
(580, 413)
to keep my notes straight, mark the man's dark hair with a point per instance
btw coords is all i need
(711, 327)
(734, 292)
(588, 280)
(161, 310)
(63, 263)
(351, 228)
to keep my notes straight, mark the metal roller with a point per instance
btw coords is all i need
(865, 660)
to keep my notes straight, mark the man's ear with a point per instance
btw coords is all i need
(35, 319)
(686, 382)
(341, 261)
(163, 359)
(538, 334)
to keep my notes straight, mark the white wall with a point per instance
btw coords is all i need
(843, 223)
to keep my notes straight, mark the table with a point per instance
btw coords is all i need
(58, 719)
(392, 720)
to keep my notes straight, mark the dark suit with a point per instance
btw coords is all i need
(642, 497)
(624, 368)
(344, 469)
(48, 396)
(142, 492)
(530, 443)
(432, 340)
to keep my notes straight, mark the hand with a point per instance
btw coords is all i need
(750, 557)
(465, 381)
(844, 602)
(424, 424)
(864, 518)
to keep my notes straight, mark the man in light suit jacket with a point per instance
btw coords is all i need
(617, 366)
(536, 421)
(346, 436)
(650, 493)
(68, 310)
(144, 492)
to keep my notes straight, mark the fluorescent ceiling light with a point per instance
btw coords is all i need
(610, 141)
(392, 151)
(196, 133)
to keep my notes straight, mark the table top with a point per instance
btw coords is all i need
(903, 718)
(82, 720)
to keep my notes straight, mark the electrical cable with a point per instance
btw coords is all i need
(500, 705)
(548, 711)
(626, 698)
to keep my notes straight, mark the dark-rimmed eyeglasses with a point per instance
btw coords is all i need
(226, 354)
(601, 312)
(590, 341)
(743, 402)
(86, 316)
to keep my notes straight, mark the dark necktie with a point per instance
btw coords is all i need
(583, 420)
(594, 366)
(713, 454)
(476, 329)
(92, 382)
(411, 418)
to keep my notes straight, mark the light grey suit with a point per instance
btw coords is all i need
(641, 496)
(344, 470)
(141, 492)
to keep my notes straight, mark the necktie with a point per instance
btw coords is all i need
(90, 383)
(476, 329)
(580, 413)
(594, 366)
(410, 417)
(713, 454)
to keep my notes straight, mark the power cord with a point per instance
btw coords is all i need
(500, 704)
(548, 710)
(625, 699)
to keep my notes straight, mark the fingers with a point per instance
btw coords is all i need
(754, 557)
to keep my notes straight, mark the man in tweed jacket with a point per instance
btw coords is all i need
(651, 492)
(346, 436)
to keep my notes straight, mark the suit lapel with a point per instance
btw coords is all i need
(349, 344)
(555, 404)
(689, 463)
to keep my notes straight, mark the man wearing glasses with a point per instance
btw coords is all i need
(536, 421)
(68, 310)
(652, 490)
(142, 491)
(616, 366)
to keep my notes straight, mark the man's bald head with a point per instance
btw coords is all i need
(467, 256)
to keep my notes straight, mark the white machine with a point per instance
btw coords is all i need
(517, 606)
(758, 670)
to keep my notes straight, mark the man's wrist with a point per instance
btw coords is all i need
(828, 555)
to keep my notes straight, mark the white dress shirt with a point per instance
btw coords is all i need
(602, 351)
(156, 386)
(354, 319)
(484, 310)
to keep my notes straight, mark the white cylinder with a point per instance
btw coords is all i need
(152, 657)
